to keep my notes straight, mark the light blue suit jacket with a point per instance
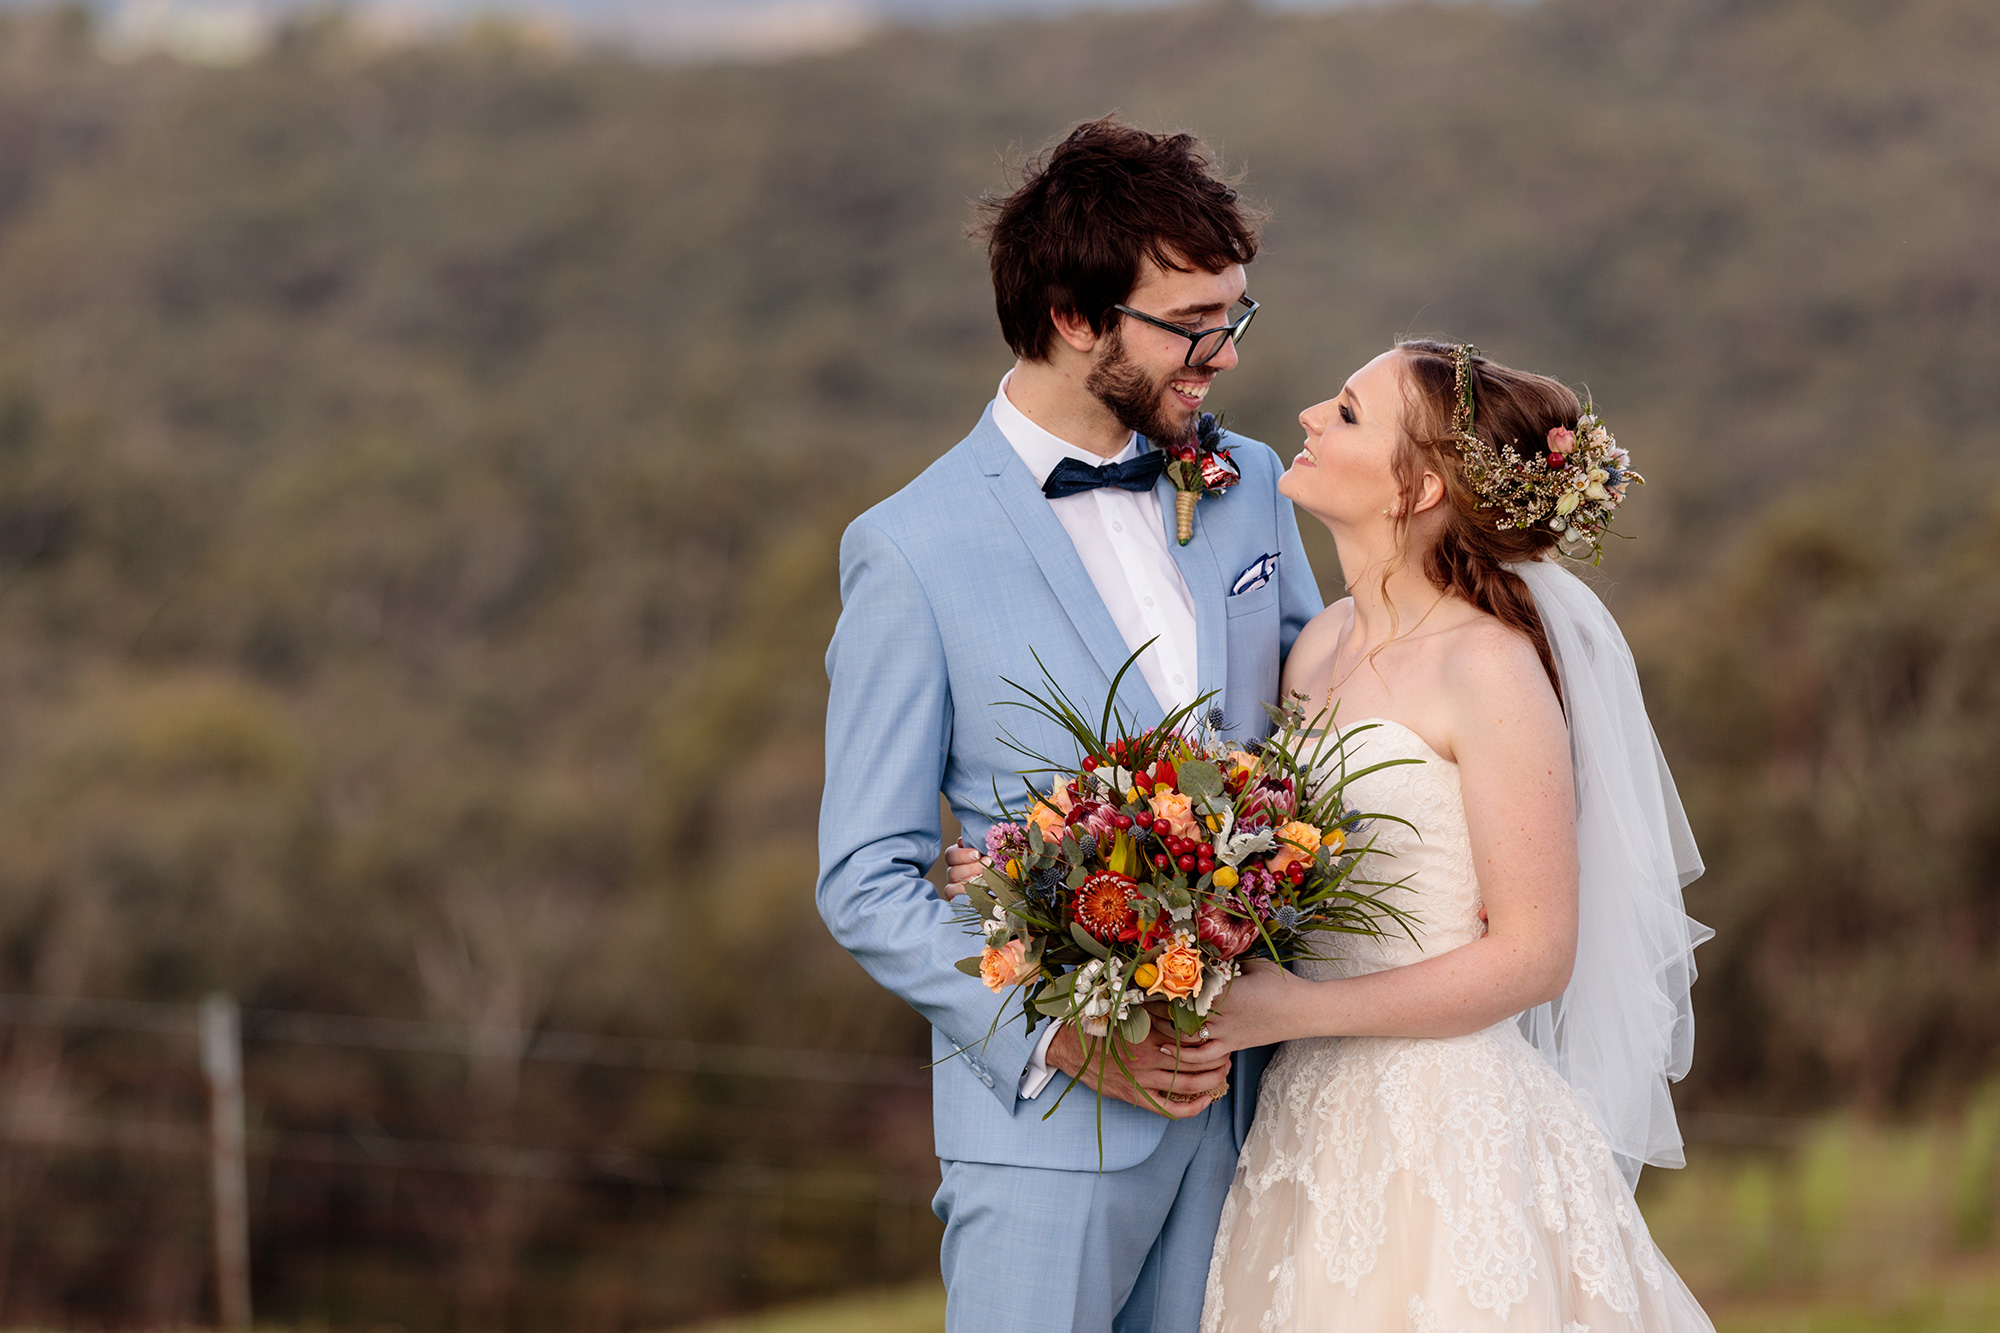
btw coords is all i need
(948, 585)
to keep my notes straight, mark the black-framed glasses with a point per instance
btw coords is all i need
(1204, 345)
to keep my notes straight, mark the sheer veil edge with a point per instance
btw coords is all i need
(1624, 1029)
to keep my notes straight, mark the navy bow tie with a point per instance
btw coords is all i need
(1073, 476)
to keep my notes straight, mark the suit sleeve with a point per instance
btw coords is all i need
(888, 736)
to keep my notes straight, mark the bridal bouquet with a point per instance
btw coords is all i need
(1153, 867)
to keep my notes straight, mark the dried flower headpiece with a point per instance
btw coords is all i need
(1575, 489)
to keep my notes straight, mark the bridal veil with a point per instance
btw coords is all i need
(1624, 1028)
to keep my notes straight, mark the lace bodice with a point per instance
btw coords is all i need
(1434, 860)
(1447, 1185)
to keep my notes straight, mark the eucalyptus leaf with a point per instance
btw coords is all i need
(1135, 1025)
(969, 966)
(1088, 941)
(1199, 778)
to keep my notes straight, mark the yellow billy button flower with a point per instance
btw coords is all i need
(1226, 877)
(1145, 975)
(1014, 868)
(1334, 841)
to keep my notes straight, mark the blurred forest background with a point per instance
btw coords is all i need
(420, 476)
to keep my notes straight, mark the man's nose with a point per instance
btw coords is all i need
(1225, 358)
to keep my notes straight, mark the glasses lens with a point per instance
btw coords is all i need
(1207, 346)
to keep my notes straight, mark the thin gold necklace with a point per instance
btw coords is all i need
(1341, 680)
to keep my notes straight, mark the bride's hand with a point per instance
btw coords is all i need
(1251, 1012)
(961, 863)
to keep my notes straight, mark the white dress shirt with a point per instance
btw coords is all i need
(1121, 537)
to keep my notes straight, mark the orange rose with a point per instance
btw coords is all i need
(1242, 760)
(1005, 966)
(1047, 818)
(1180, 972)
(1300, 832)
(1174, 808)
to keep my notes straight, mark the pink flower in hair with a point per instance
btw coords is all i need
(1562, 440)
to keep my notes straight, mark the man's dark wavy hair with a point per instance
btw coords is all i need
(1089, 210)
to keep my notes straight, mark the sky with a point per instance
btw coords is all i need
(226, 30)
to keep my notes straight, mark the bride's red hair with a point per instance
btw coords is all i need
(1509, 407)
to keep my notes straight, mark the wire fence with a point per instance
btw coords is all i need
(220, 1031)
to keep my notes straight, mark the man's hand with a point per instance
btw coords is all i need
(962, 863)
(1160, 1072)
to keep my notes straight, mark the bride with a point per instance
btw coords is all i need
(1448, 1137)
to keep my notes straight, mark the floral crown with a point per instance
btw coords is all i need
(1575, 489)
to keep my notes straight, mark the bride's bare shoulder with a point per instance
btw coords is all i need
(1321, 634)
(1494, 672)
(1312, 653)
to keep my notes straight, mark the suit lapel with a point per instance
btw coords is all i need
(1204, 581)
(1014, 487)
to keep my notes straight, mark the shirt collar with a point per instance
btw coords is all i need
(1037, 448)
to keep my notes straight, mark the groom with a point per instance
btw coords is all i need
(1118, 271)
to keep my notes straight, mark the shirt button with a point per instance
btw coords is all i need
(1180, 680)
(1118, 527)
(1149, 601)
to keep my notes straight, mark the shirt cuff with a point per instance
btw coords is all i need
(1038, 1073)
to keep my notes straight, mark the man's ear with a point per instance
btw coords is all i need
(1430, 493)
(1074, 329)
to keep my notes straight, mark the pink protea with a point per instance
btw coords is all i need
(1267, 802)
(1094, 818)
(1229, 934)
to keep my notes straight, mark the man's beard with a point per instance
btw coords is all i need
(1139, 403)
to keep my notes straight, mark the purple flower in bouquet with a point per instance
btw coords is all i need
(1255, 888)
(1004, 842)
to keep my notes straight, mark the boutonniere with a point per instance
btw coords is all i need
(1198, 469)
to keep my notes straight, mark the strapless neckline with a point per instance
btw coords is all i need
(1409, 731)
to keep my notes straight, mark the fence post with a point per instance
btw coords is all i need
(222, 1062)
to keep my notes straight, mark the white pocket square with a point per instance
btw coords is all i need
(1255, 575)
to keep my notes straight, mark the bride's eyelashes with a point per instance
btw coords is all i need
(1347, 414)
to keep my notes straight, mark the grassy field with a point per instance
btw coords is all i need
(1965, 1303)
(1827, 1227)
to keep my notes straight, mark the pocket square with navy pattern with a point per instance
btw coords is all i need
(1255, 575)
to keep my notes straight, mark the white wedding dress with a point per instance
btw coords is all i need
(1433, 1186)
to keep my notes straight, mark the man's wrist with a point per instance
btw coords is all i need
(1065, 1051)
